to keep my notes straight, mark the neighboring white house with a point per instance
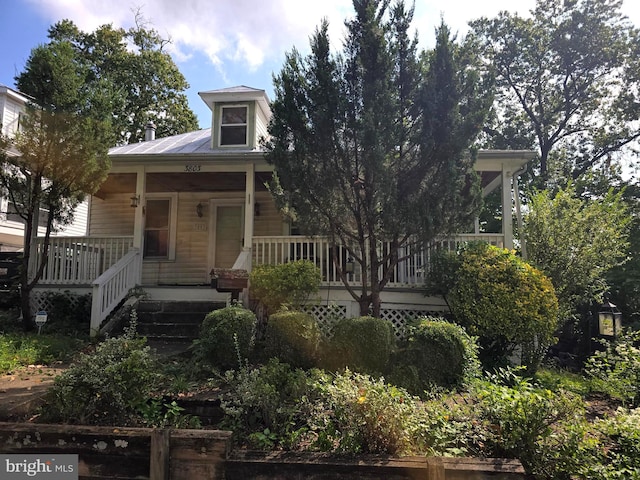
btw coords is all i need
(12, 106)
(173, 209)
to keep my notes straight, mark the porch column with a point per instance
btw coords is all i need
(507, 214)
(516, 194)
(138, 223)
(250, 191)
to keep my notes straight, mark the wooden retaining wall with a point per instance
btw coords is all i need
(125, 453)
(314, 466)
(168, 454)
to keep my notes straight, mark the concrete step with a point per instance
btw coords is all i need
(153, 318)
(169, 329)
(173, 321)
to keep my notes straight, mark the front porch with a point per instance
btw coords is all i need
(109, 267)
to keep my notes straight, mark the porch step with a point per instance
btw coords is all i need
(173, 321)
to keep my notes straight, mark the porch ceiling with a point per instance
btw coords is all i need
(181, 182)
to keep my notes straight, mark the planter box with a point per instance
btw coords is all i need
(229, 280)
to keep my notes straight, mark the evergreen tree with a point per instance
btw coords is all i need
(59, 154)
(371, 146)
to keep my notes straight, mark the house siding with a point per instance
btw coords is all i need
(9, 115)
(194, 235)
(111, 216)
(261, 125)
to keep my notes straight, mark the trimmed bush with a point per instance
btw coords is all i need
(290, 283)
(363, 344)
(505, 302)
(226, 337)
(293, 337)
(436, 353)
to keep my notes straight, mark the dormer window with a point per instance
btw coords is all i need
(233, 126)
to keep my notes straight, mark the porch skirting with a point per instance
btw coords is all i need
(398, 305)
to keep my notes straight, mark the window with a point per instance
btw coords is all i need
(156, 230)
(233, 126)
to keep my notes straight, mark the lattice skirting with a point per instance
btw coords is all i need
(41, 299)
(328, 315)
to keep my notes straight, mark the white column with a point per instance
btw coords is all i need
(249, 206)
(516, 194)
(507, 214)
(138, 223)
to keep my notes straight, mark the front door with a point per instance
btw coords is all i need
(229, 230)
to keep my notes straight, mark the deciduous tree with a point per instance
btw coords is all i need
(569, 75)
(134, 64)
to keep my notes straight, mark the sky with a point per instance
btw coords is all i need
(223, 43)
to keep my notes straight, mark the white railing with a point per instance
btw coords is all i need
(79, 260)
(409, 272)
(110, 288)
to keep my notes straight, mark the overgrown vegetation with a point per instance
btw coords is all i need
(114, 384)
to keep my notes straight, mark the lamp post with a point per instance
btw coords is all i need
(609, 320)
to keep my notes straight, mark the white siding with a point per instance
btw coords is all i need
(111, 216)
(10, 115)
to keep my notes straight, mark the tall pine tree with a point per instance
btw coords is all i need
(371, 146)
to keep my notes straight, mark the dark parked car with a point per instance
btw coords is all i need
(9, 278)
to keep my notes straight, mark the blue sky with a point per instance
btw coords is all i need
(222, 43)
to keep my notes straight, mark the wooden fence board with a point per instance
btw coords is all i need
(141, 453)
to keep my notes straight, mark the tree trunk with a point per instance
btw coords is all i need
(25, 308)
(364, 306)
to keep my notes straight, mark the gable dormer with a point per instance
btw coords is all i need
(239, 117)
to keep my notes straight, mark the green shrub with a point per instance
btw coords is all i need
(363, 344)
(436, 353)
(616, 370)
(105, 387)
(505, 302)
(619, 452)
(518, 417)
(290, 283)
(226, 337)
(293, 337)
(264, 407)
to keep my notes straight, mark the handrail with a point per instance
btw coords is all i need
(110, 288)
(409, 272)
(79, 260)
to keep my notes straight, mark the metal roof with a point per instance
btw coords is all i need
(192, 143)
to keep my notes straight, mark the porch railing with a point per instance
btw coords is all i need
(80, 260)
(110, 288)
(409, 272)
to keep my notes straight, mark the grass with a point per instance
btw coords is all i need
(558, 379)
(18, 348)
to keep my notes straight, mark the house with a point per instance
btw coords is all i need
(173, 209)
(12, 107)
